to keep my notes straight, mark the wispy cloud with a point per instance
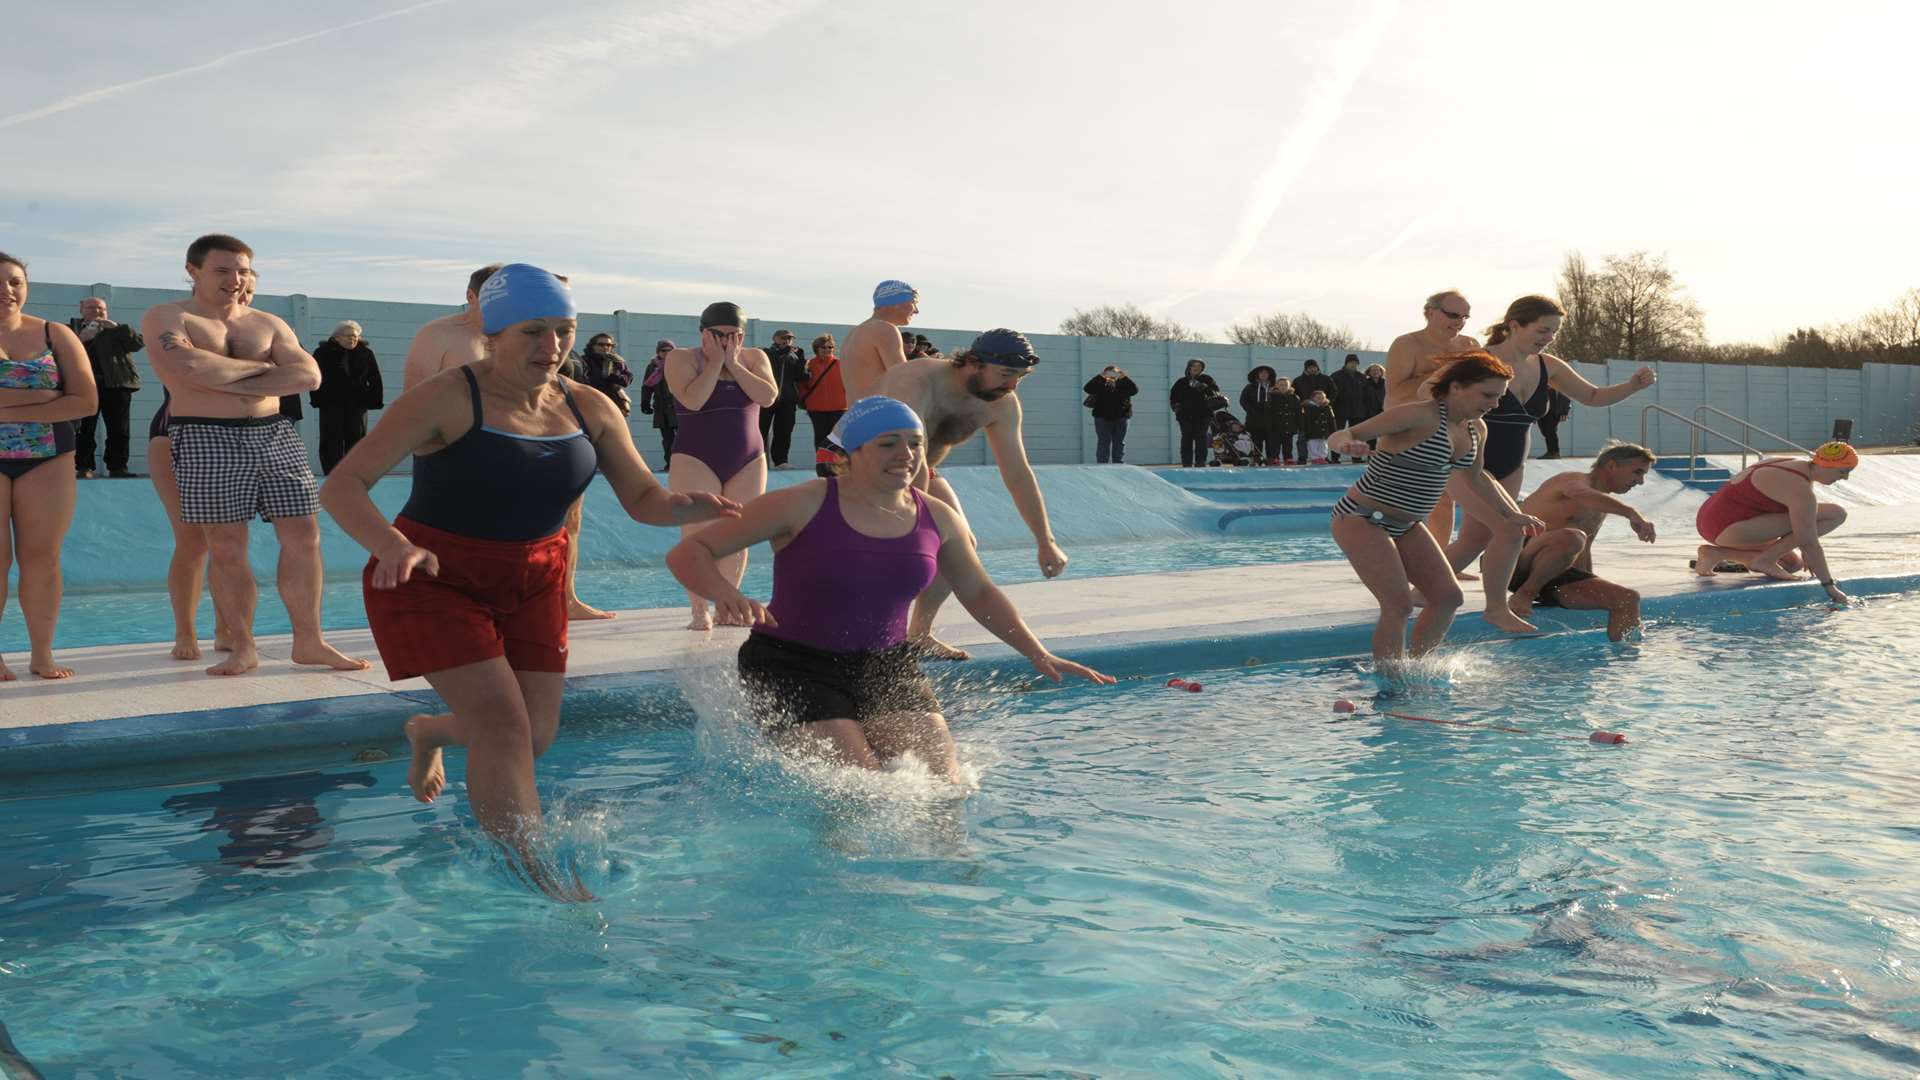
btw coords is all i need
(91, 97)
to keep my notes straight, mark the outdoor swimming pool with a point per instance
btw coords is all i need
(1147, 883)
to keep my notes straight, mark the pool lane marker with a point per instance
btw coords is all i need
(1608, 738)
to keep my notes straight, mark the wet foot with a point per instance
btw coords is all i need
(1521, 605)
(222, 642)
(702, 619)
(6, 673)
(427, 775)
(186, 649)
(1776, 572)
(45, 667)
(1706, 561)
(1508, 621)
(581, 612)
(239, 662)
(934, 649)
(321, 654)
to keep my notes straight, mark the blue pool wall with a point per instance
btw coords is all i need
(1798, 403)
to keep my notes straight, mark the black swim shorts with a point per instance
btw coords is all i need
(789, 683)
(1547, 598)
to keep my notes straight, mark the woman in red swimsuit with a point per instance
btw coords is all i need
(1768, 519)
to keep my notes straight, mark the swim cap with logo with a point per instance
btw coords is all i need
(1008, 348)
(722, 313)
(517, 292)
(890, 292)
(1836, 455)
(871, 417)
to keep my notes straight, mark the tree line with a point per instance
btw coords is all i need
(1629, 307)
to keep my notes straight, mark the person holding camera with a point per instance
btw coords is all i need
(789, 374)
(1110, 396)
(1189, 399)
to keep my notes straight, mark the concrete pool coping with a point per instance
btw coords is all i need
(133, 705)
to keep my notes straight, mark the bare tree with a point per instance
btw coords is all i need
(1890, 334)
(1643, 308)
(1285, 331)
(1582, 333)
(1124, 321)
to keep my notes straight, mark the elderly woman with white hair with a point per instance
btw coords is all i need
(349, 386)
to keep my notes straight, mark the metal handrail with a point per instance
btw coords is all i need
(1749, 428)
(1693, 436)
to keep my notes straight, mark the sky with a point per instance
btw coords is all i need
(1209, 160)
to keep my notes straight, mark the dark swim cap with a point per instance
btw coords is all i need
(1008, 348)
(722, 313)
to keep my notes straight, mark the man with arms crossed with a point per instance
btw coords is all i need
(1411, 361)
(874, 347)
(1556, 567)
(451, 340)
(955, 398)
(234, 455)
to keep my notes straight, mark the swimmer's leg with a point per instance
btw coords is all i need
(1544, 558)
(1621, 604)
(689, 473)
(927, 605)
(578, 609)
(837, 742)
(924, 735)
(1428, 571)
(1760, 542)
(743, 487)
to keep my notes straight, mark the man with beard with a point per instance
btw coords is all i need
(971, 392)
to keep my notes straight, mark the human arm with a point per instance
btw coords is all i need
(426, 414)
(1010, 454)
(290, 369)
(1795, 491)
(15, 397)
(1125, 386)
(642, 496)
(77, 395)
(375, 388)
(1591, 500)
(1562, 377)
(1093, 384)
(1415, 415)
(989, 606)
(424, 354)
(1485, 498)
(691, 377)
(177, 357)
(754, 372)
(774, 518)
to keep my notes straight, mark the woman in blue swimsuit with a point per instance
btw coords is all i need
(45, 385)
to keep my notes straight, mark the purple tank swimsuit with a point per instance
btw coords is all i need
(838, 589)
(723, 434)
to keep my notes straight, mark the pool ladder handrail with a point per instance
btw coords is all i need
(1695, 427)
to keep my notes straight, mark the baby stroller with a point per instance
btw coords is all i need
(1231, 443)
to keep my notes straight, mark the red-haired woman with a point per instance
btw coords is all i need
(1381, 521)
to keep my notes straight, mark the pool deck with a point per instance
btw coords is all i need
(134, 704)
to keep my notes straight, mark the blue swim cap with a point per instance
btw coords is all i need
(871, 417)
(889, 293)
(517, 292)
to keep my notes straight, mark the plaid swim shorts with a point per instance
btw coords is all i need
(231, 470)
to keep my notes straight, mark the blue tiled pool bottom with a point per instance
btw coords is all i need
(1147, 883)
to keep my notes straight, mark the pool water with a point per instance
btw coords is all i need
(120, 616)
(1146, 883)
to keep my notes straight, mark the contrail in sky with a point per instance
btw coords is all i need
(105, 92)
(1351, 56)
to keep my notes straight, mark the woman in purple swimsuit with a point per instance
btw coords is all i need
(45, 385)
(718, 391)
(828, 665)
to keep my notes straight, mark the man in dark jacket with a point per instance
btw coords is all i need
(1350, 403)
(349, 386)
(657, 401)
(1189, 397)
(776, 420)
(110, 348)
(1110, 396)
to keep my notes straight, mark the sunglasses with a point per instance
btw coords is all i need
(1461, 315)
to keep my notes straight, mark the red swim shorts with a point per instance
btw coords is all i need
(491, 598)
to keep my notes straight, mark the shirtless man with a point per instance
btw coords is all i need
(451, 340)
(1556, 567)
(1411, 361)
(955, 398)
(226, 366)
(874, 347)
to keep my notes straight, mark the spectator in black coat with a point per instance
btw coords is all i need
(1558, 406)
(1316, 423)
(1260, 402)
(1189, 398)
(1376, 390)
(607, 371)
(349, 387)
(1110, 396)
(1350, 396)
(110, 348)
(657, 401)
(789, 375)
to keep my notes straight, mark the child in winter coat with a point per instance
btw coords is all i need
(1316, 423)
(1286, 423)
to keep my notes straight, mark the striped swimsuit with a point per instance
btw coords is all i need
(1409, 482)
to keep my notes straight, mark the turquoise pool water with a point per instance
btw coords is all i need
(1145, 884)
(140, 615)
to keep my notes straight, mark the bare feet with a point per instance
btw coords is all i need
(580, 612)
(427, 776)
(935, 649)
(1775, 571)
(186, 649)
(6, 673)
(702, 618)
(222, 641)
(1508, 621)
(45, 667)
(239, 662)
(1521, 605)
(1464, 576)
(321, 654)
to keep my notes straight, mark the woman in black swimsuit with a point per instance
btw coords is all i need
(1520, 340)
